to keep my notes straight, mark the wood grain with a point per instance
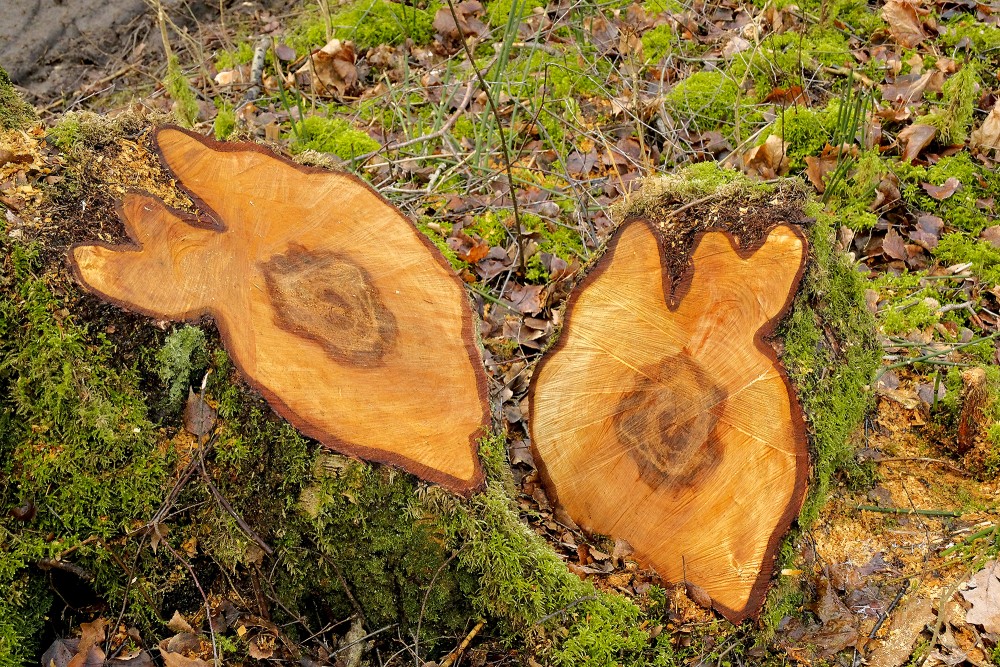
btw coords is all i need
(666, 420)
(331, 303)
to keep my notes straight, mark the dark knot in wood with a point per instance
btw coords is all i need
(667, 422)
(328, 298)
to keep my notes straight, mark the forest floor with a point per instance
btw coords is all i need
(890, 112)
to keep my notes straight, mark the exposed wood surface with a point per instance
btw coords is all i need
(347, 320)
(667, 421)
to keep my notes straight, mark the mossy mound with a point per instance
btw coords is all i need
(15, 113)
(92, 438)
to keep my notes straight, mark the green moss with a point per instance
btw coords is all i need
(243, 55)
(525, 586)
(496, 229)
(15, 113)
(959, 248)
(658, 42)
(182, 356)
(66, 132)
(225, 121)
(367, 23)
(498, 12)
(960, 210)
(333, 135)
(982, 38)
(705, 100)
(832, 379)
(180, 91)
(914, 317)
(74, 439)
(805, 132)
(953, 117)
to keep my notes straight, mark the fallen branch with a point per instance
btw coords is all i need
(901, 510)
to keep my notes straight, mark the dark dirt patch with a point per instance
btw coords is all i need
(71, 49)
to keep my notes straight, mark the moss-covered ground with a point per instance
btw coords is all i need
(110, 508)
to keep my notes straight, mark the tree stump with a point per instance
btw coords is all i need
(348, 320)
(662, 416)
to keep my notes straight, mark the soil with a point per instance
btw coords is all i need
(65, 50)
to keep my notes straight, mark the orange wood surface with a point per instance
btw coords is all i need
(674, 426)
(332, 304)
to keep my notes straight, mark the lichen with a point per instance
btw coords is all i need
(183, 354)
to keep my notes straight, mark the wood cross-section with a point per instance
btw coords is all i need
(666, 419)
(348, 321)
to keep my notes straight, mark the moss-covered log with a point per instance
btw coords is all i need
(92, 439)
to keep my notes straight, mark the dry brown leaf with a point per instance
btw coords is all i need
(468, 21)
(904, 22)
(987, 136)
(767, 160)
(991, 235)
(177, 660)
(915, 139)
(199, 416)
(331, 69)
(893, 245)
(178, 623)
(928, 231)
(943, 191)
(984, 595)
(910, 87)
(817, 168)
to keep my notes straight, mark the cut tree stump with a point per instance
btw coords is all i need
(331, 303)
(664, 418)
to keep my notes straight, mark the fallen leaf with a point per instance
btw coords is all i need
(767, 160)
(904, 22)
(199, 416)
(991, 235)
(817, 168)
(177, 623)
(983, 594)
(894, 246)
(927, 233)
(915, 139)
(887, 193)
(787, 96)
(526, 299)
(910, 88)
(177, 660)
(468, 21)
(838, 630)
(735, 45)
(580, 164)
(284, 52)
(987, 136)
(331, 70)
(943, 191)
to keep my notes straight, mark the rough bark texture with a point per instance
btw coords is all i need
(664, 418)
(331, 303)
